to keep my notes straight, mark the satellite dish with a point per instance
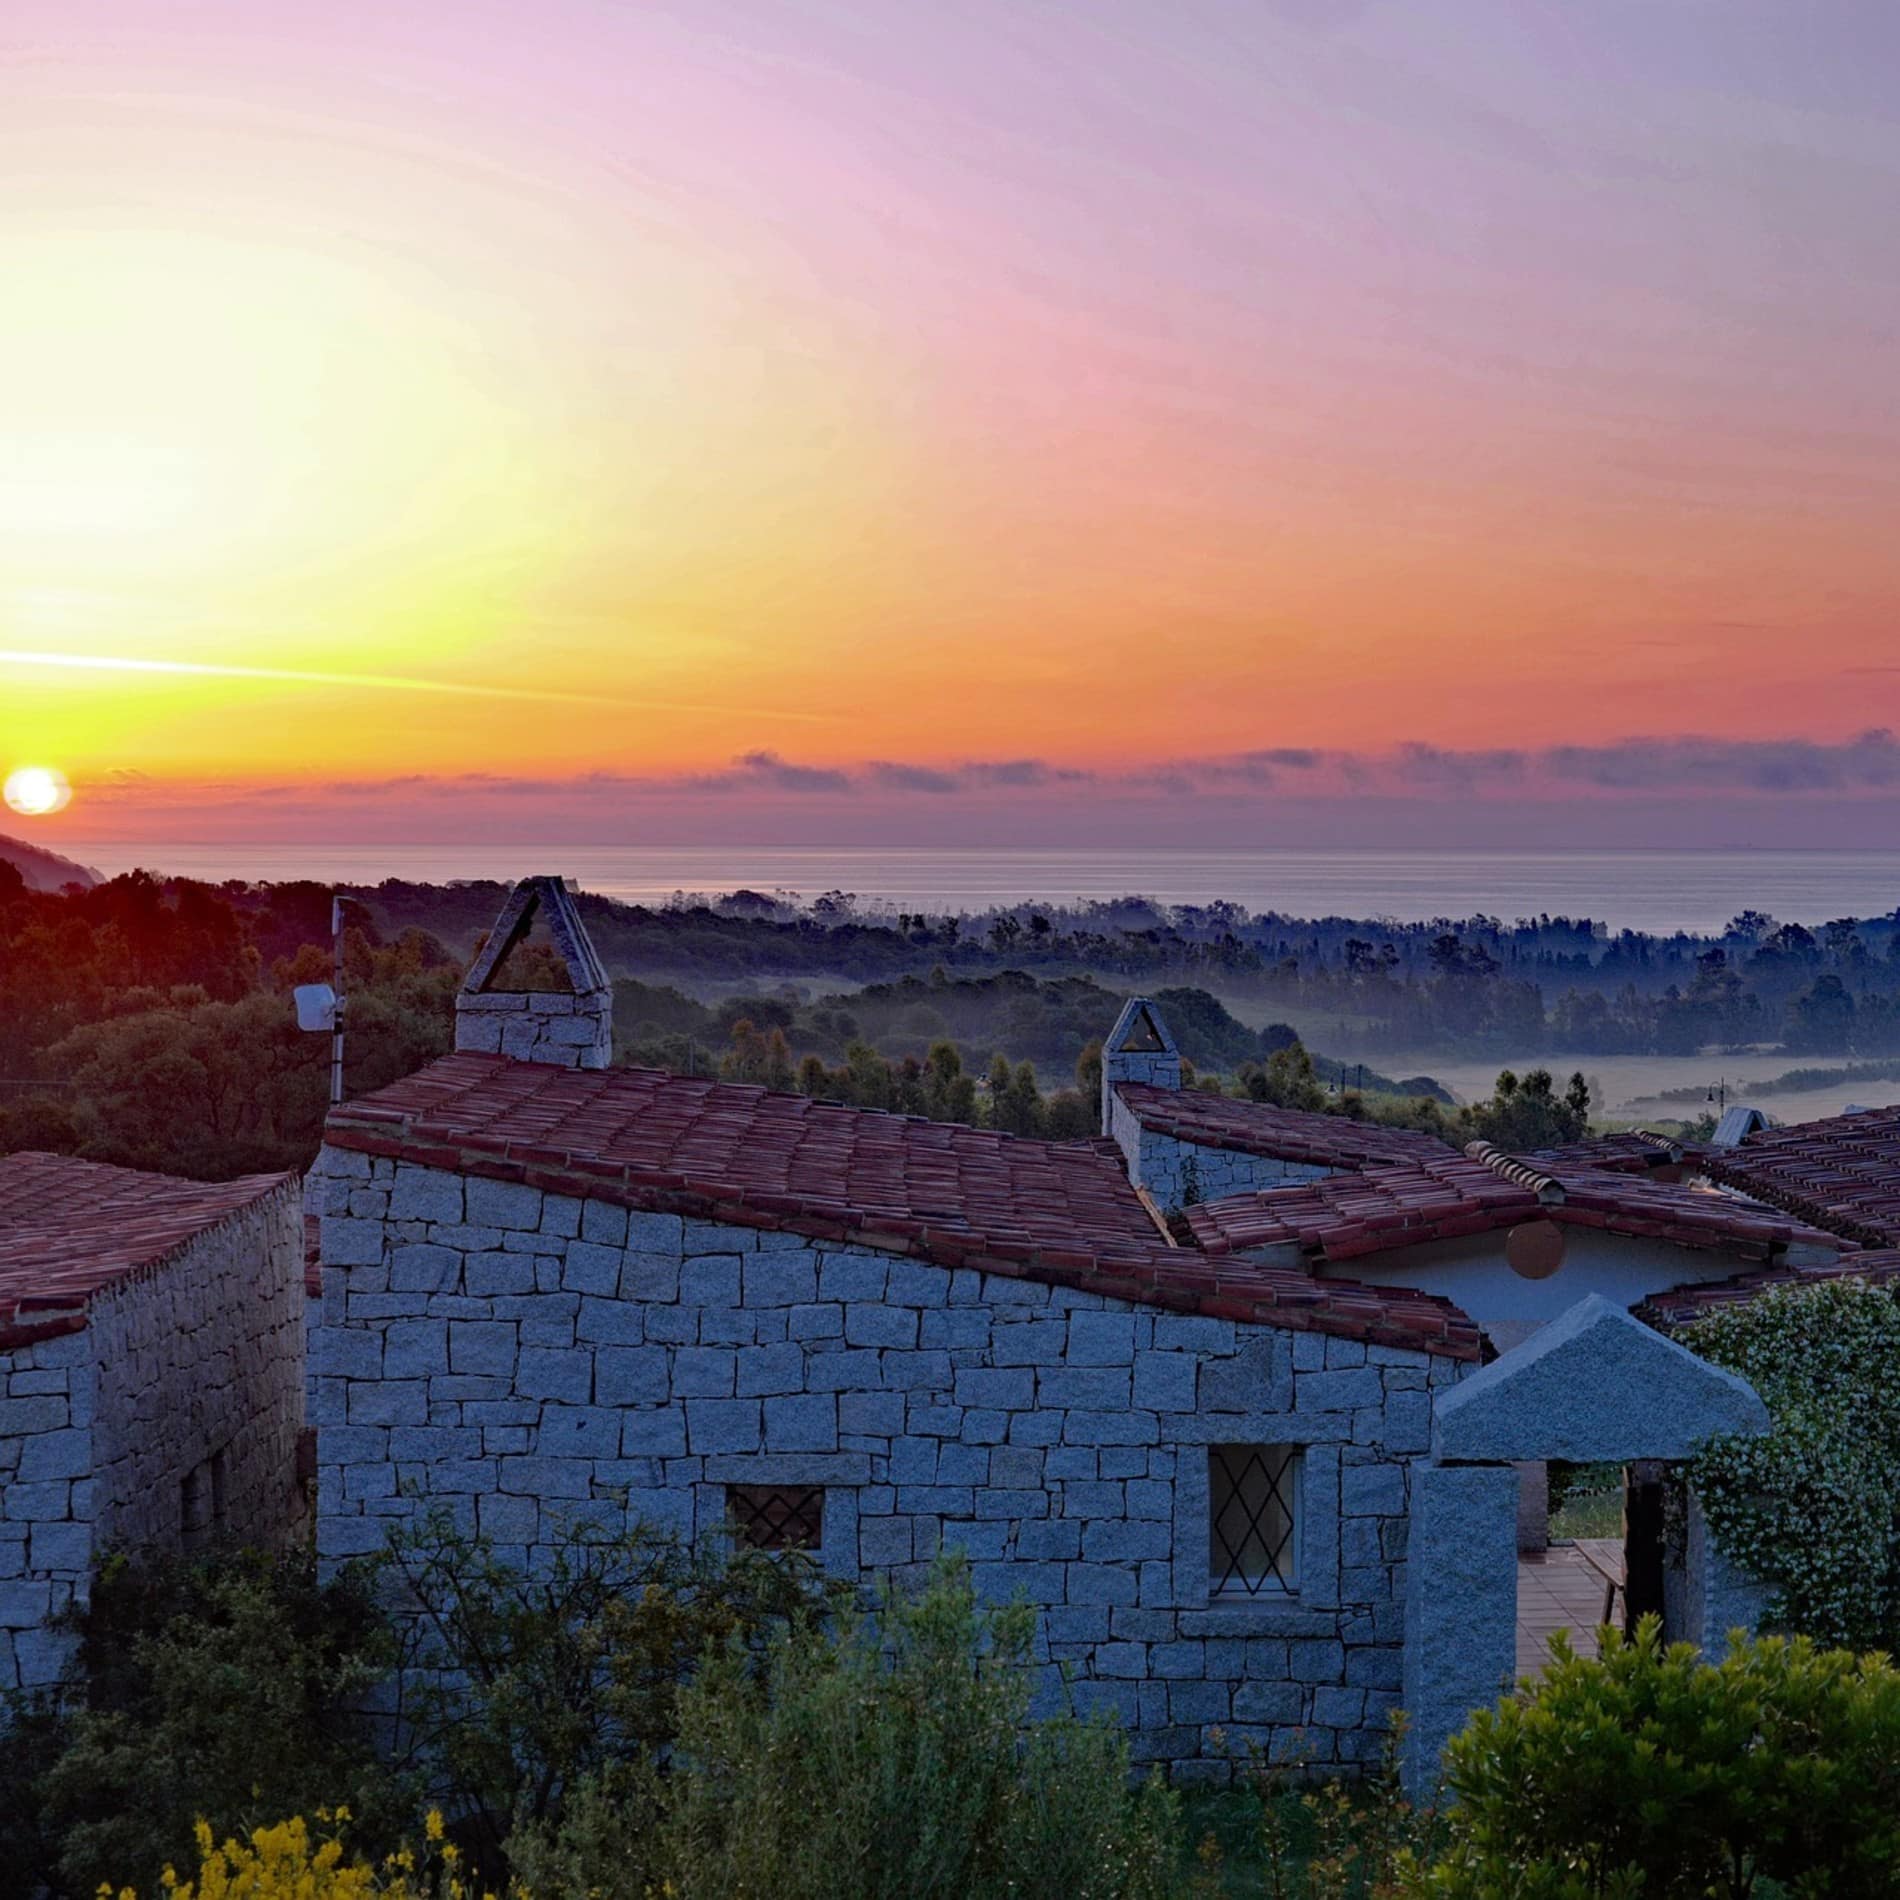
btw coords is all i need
(316, 1006)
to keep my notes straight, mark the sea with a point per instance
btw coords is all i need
(1657, 891)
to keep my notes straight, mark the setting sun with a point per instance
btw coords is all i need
(37, 791)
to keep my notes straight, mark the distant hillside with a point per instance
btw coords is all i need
(44, 870)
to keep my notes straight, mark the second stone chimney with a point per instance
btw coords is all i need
(573, 1028)
(1138, 1049)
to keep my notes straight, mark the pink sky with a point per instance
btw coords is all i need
(842, 421)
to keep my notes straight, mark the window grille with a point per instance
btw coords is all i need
(1252, 1519)
(777, 1516)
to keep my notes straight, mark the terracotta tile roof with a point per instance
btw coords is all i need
(1683, 1305)
(1059, 1212)
(1842, 1173)
(1346, 1216)
(1634, 1152)
(1281, 1134)
(69, 1228)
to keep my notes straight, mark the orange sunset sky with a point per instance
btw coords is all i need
(1265, 420)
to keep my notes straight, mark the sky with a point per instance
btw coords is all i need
(1228, 421)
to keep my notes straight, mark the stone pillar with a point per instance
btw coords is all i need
(1533, 1506)
(1460, 1606)
(1717, 1594)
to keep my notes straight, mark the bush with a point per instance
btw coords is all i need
(225, 1690)
(1650, 1771)
(1814, 1506)
(893, 1760)
(288, 1861)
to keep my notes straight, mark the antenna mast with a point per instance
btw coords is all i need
(336, 1022)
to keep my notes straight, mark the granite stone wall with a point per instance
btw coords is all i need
(46, 1501)
(200, 1377)
(169, 1419)
(520, 1358)
(1180, 1173)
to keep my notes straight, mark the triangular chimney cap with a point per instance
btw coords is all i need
(548, 898)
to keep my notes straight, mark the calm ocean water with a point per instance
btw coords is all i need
(1640, 890)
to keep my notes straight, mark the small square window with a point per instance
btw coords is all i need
(777, 1516)
(1252, 1519)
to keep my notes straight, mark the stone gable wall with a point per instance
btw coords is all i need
(46, 1501)
(1178, 1173)
(518, 1358)
(203, 1361)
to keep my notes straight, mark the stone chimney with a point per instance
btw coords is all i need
(573, 1028)
(1138, 1049)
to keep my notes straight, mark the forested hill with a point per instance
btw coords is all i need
(43, 870)
(148, 1021)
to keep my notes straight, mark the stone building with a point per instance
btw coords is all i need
(1212, 1457)
(151, 1377)
(1183, 1146)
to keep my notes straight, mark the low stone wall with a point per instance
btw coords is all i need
(46, 1501)
(1180, 1173)
(520, 1358)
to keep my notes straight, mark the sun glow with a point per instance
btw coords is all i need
(37, 791)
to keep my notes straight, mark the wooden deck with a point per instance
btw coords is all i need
(1562, 1588)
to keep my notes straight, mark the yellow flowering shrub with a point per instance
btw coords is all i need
(289, 1862)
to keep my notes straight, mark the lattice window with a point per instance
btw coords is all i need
(777, 1516)
(1252, 1519)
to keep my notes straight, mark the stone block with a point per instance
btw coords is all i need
(852, 1277)
(630, 1375)
(1103, 1389)
(1028, 1342)
(805, 1423)
(61, 1547)
(768, 1371)
(650, 1276)
(1372, 1491)
(819, 1321)
(1165, 1381)
(719, 1425)
(653, 1434)
(499, 1273)
(871, 1414)
(883, 1541)
(504, 1204)
(710, 1280)
(418, 1267)
(1006, 1389)
(415, 1348)
(601, 1222)
(425, 1194)
(880, 1326)
(562, 1373)
(535, 1476)
(1101, 1339)
(351, 1243)
(780, 1279)
(916, 1283)
(588, 1267)
(580, 1431)
(704, 1372)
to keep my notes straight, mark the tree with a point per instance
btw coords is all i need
(1527, 1114)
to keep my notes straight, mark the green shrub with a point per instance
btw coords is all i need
(1814, 1505)
(228, 1689)
(1649, 1771)
(893, 1759)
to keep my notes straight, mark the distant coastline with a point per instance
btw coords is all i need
(1656, 891)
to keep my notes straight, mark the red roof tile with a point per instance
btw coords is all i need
(1635, 1152)
(1280, 1134)
(1684, 1305)
(69, 1228)
(1058, 1212)
(1343, 1216)
(1842, 1173)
